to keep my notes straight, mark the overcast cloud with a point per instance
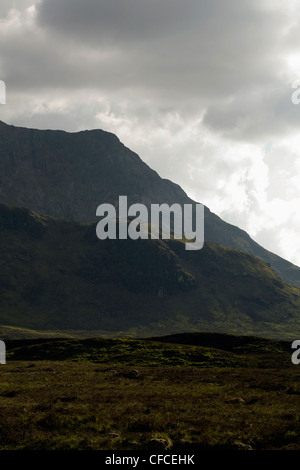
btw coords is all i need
(200, 89)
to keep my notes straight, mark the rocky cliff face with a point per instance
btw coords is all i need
(68, 175)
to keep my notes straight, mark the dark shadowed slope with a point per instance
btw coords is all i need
(69, 174)
(57, 275)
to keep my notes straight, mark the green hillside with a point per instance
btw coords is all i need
(57, 275)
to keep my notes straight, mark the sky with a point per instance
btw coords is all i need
(200, 89)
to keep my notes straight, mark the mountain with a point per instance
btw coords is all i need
(68, 175)
(57, 275)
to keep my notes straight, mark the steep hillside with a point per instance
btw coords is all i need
(69, 174)
(57, 275)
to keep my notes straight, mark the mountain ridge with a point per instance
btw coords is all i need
(68, 175)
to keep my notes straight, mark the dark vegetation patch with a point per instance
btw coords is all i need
(83, 405)
(113, 394)
(191, 349)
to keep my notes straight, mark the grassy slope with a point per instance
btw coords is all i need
(56, 275)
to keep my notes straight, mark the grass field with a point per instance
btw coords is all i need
(113, 394)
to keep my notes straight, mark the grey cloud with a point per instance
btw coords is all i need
(254, 114)
(222, 57)
(7, 5)
(129, 20)
(204, 49)
(172, 51)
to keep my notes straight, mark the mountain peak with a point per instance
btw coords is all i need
(68, 174)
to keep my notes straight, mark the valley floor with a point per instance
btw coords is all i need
(54, 405)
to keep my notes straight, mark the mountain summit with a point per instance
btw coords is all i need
(68, 175)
